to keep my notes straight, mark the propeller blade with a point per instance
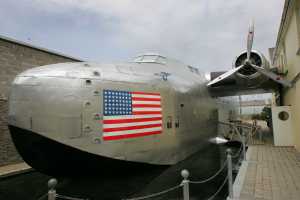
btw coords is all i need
(225, 75)
(272, 76)
(250, 39)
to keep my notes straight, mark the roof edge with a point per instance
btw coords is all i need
(282, 23)
(2, 37)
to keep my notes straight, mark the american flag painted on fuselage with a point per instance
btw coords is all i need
(131, 114)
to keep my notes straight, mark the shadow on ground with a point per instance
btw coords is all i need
(201, 165)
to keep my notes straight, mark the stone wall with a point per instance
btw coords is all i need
(16, 57)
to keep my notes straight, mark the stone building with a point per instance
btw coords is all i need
(286, 57)
(15, 57)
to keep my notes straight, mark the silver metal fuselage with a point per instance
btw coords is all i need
(63, 102)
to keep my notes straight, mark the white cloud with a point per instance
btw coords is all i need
(205, 33)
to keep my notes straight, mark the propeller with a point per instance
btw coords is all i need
(250, 40)
(248, 63)
(273, 76)
(225, 75)
(261, 70)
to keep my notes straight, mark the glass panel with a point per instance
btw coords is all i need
(138, 59)
(149, 58)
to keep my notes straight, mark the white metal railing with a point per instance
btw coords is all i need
(244, 131)
(238, 128)
(52, 194)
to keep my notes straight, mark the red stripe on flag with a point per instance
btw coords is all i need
(117, 137)
(118, 121)
(145, 106)
(144, 99)
(146, 112)
(131, 127)
(149, 93)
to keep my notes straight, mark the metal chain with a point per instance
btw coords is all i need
(68, 198)
(220, 188)
(212, 177)
(155, 194)
(43, 196)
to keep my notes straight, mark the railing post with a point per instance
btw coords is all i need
(229, 171)
(51, 189)
(244, 145)
(185, 183)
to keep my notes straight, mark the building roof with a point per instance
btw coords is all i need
(283, 23)
(38, 48)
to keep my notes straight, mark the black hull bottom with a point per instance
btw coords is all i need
(53, 158)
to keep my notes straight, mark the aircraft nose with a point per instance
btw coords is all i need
(46, 101)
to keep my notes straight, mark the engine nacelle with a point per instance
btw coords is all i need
(248, 75)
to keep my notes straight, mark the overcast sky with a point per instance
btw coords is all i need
(205, 33)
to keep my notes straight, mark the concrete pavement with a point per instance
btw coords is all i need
(270, 173)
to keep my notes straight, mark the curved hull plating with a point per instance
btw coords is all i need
(54, 158)
(77, 116)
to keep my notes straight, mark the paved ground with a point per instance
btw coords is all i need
(269, 173)
(14, 169)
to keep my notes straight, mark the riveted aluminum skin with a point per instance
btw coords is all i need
(63, 102)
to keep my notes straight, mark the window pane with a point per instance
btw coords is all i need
(149, 58)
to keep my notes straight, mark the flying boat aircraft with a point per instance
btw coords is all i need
(151, 111)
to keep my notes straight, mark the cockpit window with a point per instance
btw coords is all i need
(138, 59)
(150, 59)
